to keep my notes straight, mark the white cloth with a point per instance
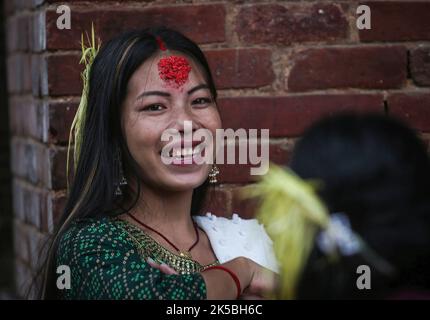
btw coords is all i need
(237, 237)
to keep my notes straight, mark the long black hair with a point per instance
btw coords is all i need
(97, 175)
(376, 170)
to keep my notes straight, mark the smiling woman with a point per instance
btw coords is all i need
(129, 229)
(153, 106)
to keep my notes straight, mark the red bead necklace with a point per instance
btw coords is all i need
(187, 253)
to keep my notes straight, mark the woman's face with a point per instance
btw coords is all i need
(152, 107)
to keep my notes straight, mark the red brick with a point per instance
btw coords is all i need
(359, 67)
(397, 21)
(19, 73)
(240, 173)
(18, 209)
(18, 32)
(8, 8)
(29, 205)
(242, 68)
(37, 246)
(289, 116)
(21, 246)
(230, 68)
(23, 29)
(43, 198)
(36, 3)
(29, 161)
(27, 4)
(14, 73)
(11, 32)
(58, 158)
(202, 23)
(58, 204)
(420, 65)
(23, 278)
(414, 108)
(217, 202)
(26, 117)
(61, 116)
(64, 75)
(33, 205)
(56, 201)
(38, 75)
(245, 208)
(37, 34)
(286, 24)
(23, 117)
(26, 73)
(17, 166)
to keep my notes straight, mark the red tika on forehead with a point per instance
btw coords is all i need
(174, 70)
(160, 44)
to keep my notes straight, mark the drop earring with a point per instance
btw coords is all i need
(213, 173)
(123, 181)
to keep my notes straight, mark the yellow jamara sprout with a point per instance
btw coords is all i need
(89, 53)
(292, 213)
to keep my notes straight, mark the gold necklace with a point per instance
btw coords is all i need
(182, 253)
(149, 248)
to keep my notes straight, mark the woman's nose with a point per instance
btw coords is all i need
(184, 120)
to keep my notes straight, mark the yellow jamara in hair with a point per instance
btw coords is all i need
(89, 53)
(292, 214)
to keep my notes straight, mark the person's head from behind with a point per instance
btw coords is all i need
(141, 84)
(376, 171)
(383, 162)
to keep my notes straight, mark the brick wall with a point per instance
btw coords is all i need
(277, 64)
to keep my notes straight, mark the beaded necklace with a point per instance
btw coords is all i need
(148, 247)
(182, 253)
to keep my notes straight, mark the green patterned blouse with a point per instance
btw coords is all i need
(106, 263)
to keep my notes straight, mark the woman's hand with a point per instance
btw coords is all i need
(162, 267)
(257, 281)
(263, 282)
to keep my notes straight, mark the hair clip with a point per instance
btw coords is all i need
(338, 236)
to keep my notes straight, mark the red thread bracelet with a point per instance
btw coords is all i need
(232, 274)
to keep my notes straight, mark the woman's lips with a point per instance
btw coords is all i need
(186, 156)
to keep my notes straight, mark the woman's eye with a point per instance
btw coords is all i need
(202, 101)
(154, 107)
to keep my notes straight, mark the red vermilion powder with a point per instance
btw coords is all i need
(160, 44)
(174, 70)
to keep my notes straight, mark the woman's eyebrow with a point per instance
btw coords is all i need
(153, 93)
(166, 94)
(198, 87)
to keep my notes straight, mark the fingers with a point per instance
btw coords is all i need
(162, 267)
(263, 283)
(251, 297)
(167, 270)
(152, 263)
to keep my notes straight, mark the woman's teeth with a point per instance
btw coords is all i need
(186, 152)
